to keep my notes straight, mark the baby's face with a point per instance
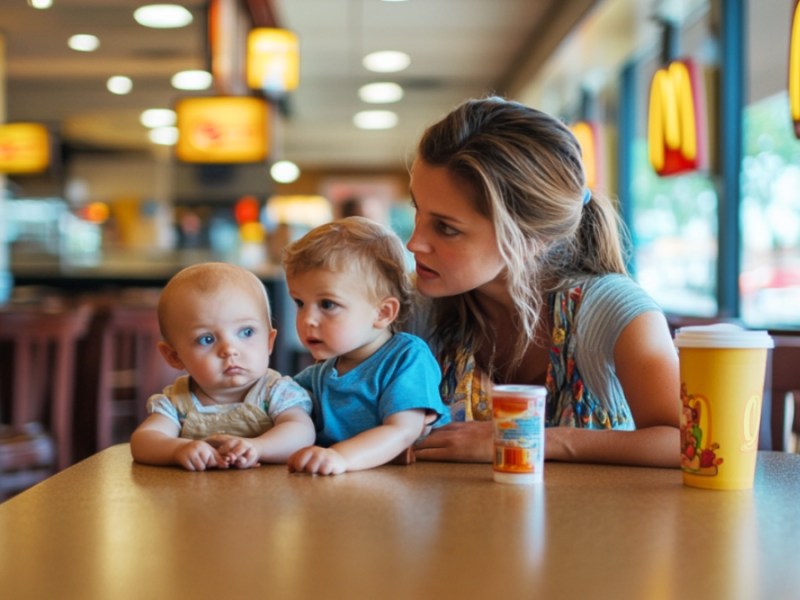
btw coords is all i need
(223, 340)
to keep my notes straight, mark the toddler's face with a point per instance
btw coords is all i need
(335, 313)
(223, 340)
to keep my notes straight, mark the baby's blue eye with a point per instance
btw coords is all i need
(247, 332)
(205, 340)
(327, 304)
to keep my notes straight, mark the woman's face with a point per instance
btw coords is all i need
(455, 247)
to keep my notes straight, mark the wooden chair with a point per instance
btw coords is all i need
(131, 369)
(39, 346)
(783, 383)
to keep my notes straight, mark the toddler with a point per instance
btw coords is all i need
(375, 390)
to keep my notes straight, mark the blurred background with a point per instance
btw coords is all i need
(120, 198)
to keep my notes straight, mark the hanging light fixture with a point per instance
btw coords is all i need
(273, 60)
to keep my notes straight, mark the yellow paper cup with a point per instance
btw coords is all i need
(722, 369)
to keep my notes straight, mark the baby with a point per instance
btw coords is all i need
(231, 410)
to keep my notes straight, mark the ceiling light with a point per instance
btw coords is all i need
(375, 119)
(164, 136)
(192, 80)
(386, 61)
(158, 117)
(83, 42)
(284, 171)
(162, 16)
(119, 84)
(380, 93)
(40, 4)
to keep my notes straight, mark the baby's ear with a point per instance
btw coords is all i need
(170, 355)
(387, 312)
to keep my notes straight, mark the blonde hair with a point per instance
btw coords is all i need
(527, 173)
(355, 242)
(205, 278)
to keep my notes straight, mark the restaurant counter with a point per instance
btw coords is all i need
(109, 528)
(124, 272)
(120, 269)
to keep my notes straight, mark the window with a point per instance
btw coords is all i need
(769, 282)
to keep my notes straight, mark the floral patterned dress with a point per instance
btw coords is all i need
(569, 402)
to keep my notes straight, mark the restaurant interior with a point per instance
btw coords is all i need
(139, 138)
(128, 151)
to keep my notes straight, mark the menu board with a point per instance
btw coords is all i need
(24, 148)
(222, 129)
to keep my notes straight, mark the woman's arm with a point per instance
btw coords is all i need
(647, 367)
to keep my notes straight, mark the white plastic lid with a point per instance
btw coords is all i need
(524, 391)
(721, 335)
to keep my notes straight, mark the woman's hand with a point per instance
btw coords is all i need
(469, 441)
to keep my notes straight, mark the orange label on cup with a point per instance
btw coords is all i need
(518, 416)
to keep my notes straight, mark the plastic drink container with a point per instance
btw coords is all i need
(722, 370)
(518, 413)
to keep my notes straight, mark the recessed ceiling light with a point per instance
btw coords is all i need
(162, 16)
(192, 80)
(380, 93)
(158, 117)
(40, 4)
(284, 171)
(386, 61)
(83, 42)
(375, 119)
(164, 136)
(119, 84)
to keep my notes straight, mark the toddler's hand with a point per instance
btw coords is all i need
(317, 461)
(238, 452)
(197, 455)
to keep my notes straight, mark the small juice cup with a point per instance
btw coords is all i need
(518, 413)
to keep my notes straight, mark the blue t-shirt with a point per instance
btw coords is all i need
(401, 375)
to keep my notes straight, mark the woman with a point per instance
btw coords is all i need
(523, 281)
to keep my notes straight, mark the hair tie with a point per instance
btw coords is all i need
(587, 195)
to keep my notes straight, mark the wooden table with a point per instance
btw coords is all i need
(112, 530)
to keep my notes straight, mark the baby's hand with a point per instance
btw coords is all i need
(236, 451)
(317, 461)
(197, 455)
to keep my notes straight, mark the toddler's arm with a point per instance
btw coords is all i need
(156, 442)
(374, 447)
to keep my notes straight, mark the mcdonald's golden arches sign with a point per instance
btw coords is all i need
(676, 121)
(589, 136)
(794, 69)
